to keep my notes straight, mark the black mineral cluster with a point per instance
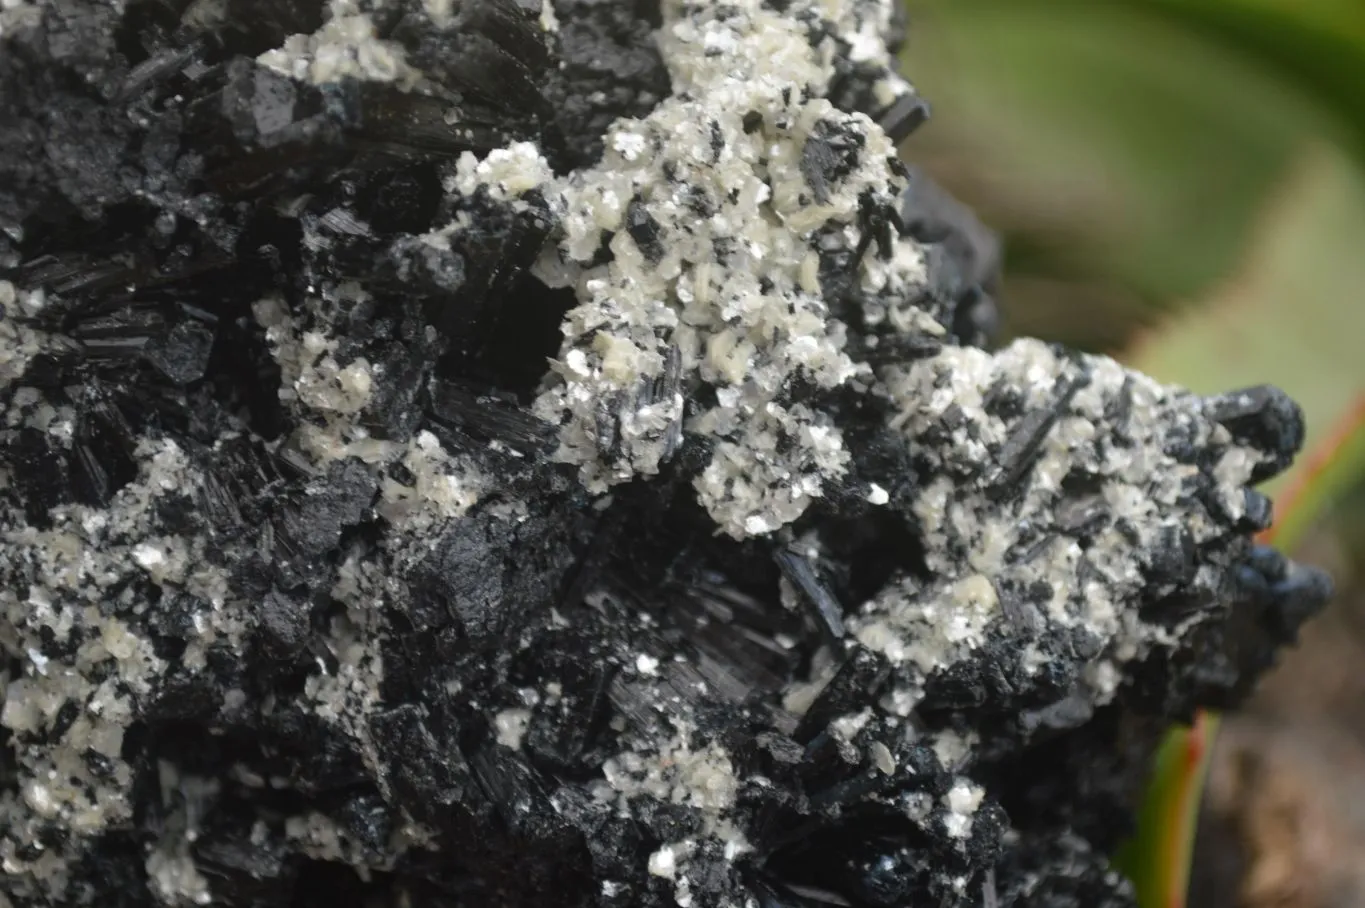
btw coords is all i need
(506, 453)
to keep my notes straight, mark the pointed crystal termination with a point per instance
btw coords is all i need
(453, 452)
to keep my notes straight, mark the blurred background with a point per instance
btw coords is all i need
(1181, 183)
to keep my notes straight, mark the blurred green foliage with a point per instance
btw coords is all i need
(1123, 151)
(1293, 313)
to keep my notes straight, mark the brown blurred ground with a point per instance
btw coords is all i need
(1284, 822)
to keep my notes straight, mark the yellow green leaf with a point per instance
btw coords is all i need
(1293, 314)
(1157, 858)
(1107, 140)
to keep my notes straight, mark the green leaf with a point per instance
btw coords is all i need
(1157, 858)
(1123, 148)
(1294, 314)
(1318, 45)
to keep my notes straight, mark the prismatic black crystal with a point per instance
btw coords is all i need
(545, 452)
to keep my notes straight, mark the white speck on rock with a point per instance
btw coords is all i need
(506, 172)
(663, 862)
(511, 727)
(962, 801)
(344, 47)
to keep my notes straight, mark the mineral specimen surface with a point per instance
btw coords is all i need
(496, 452)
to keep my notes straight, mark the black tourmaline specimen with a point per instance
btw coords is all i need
(546, 452)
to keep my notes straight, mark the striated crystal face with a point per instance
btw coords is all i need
(532, 453)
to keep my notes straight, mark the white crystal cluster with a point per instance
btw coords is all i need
(982, 528)
(63, 581)
(19, 342)
(17, 15)
(669, 761)
(329, 396)
(344, 47)
(726, 279)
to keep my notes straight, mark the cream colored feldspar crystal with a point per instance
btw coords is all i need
(715, 173)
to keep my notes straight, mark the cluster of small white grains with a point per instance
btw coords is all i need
(861, 29)
(668, 760)
(58, 593)
(443, 488)
(330, 395)
(712, 204)
(962, 801)
(713, 210)
(171, 870)
(931, 632)
(61, 582)
(16, 15)
(1000, 509)
(347, 693)
(18, 345)
(954, 750)
(504, 172)
(19, 342)
(344, 47)
(314, 382)
(672, 772)
(421, 487)
(676, 773)
(953, 812)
